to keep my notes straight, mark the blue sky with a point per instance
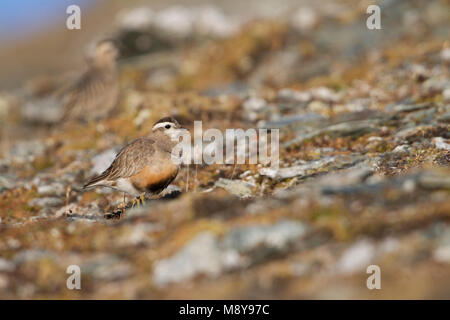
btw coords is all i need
(19, 17)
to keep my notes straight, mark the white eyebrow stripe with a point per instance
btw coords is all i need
(160, 125)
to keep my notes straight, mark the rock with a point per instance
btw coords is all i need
(434, 180)
(33, 255)
(254, 104)
(356, 258)
(53, 189)
(442, 251)
(288, 120)
(138, 18)
(43, 111)
(139, 234)
(72, 207)
(103, 160)
(445, 54)
(446, 95)
(408, 107)
(142, 116)
(207, 255)
(171, 192)
(350, 128)
(325, 94)
(211, 21)
(292, 95)
(201, 255)
(346, 177)
(184, 21)
(389, 245)
(406, 132)
(444, 118)
(107, 267)
(89, 213)
(6, 266)
(441, 143)
(295, 171)
(175, 20)
(6, 183)
(435, 85)
(239, 188)
(26, 151)
(442, 254)
(275, 237)
(46, 202)
(404, 148)
(318, 106)
(304, 19)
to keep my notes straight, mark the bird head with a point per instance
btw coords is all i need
(168, 126)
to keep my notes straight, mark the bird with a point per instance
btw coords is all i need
(95, 93)
(145, 166)
(91, 96)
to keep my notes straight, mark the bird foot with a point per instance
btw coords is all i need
(138, 201)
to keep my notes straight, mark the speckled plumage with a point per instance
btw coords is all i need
(94, 95)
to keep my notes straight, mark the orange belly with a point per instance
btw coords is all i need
(154, 180)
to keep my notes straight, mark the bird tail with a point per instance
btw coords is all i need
(96, 180)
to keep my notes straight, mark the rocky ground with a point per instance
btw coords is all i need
(364, 173)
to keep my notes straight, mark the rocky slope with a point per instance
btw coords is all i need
(364, 172)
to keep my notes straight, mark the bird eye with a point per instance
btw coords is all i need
(167, 126)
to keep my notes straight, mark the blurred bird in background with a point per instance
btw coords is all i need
(91, 96)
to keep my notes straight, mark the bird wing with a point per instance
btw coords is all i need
(130, 160)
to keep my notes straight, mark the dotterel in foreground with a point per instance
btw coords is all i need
(145, 165)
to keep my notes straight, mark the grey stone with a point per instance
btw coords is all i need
(26, 151)
(408, 107)
(444, 118)
(33, 255)
(288, 120)
(275, 237)
(103, 160)
(293, 95)
(432, 180)
(295, 171)
(239, 188)
(442, 251)
(107, 268)
(349, 128)
(6, 183)
(201, 255)
(43, 111)
(441, 143)
(356, 258)
(47, 202)
(404, 148)
(53, 189)
(6, 266)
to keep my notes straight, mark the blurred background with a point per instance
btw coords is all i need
(364, 160)
(34, 39)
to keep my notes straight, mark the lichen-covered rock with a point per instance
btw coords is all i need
(363, 175)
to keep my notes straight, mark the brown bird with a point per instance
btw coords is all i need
(145, 165)
(95, 94)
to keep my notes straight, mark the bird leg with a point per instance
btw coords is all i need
(123, 206)
(139, 200)
(142, 198)
(136, 201)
